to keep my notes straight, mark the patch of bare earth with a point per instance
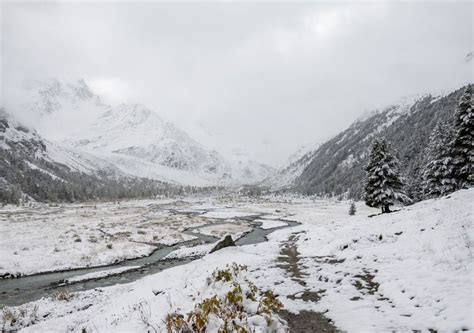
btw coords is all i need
(304, 321)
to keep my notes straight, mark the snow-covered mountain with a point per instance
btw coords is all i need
(51, 96)
(32, 167)
(25, 142)
(242, 165)
(139, 143)
(132, 138)
(55, 109)
(136, 131)
(292, 169)
(337, 166)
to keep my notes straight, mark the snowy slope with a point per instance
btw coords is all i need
(404, 271)
(301, 159)
(15, 134)
(292, 169)
(25, 143)
(142, 168)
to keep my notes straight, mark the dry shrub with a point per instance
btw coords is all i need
(14, 319)
(61, 295)
(9, 316)
(227, 310)
(144, 314)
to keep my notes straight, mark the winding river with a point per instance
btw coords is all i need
(26, 289)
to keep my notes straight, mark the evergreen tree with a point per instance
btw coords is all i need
(462, 146)
(384, 186)
(352, 208)
(415, 190)
(438, 175)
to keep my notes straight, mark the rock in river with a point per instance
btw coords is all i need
(226, 242)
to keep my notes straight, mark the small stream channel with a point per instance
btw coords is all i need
(17, 291)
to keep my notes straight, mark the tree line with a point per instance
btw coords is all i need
(21, 183)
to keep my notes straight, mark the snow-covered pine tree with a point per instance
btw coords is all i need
(438, 178)
(462, 145)
(414, 188)
(352, 208)
(384, 186)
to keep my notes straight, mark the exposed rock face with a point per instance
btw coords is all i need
(226, 242)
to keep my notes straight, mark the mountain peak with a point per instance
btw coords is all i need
(81, 90)
(133, 115)
(52, 95)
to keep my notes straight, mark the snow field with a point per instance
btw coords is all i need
(42, 238)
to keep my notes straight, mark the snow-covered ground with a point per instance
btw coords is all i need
(270, 224)
(194, 251)
(42, 238)
(408, 270)
(228, 213)
(236, 230)
(403, 271)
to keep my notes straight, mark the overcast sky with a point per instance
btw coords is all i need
(268, 77)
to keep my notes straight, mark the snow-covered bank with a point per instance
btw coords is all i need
(99, 274)
(404, 271)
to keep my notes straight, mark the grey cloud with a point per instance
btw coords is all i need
(266, 76)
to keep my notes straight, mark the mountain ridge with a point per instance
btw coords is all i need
(337, 166)
(133, 131)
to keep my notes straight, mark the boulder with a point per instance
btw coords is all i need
(225, 242)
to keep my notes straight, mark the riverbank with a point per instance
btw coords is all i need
(43, 239)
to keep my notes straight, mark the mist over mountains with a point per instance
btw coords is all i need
(131, 136)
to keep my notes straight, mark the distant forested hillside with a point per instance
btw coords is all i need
(337, 166)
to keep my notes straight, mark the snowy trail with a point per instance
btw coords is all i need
(304, 321)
